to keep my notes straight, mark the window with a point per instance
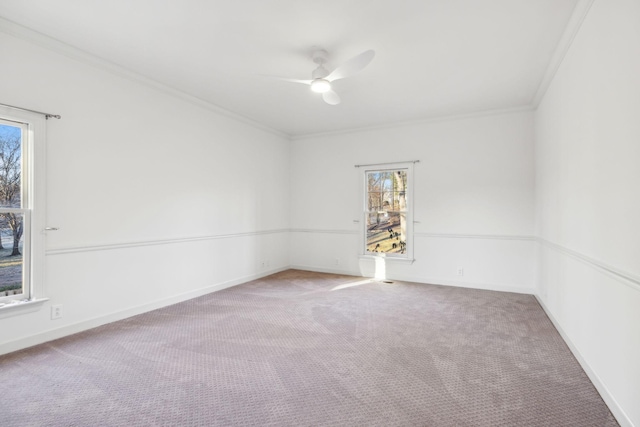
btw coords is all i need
(387, 212)
(21, 249)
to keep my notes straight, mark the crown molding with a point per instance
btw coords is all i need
(578, 16)
(57, 46)
(580, 12)
(423, 121)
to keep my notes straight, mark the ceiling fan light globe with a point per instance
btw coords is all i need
(320, 85)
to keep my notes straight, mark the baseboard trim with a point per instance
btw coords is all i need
(428, 280)
(325, 270)
(608, 398)
(75, 328)
(498, 287)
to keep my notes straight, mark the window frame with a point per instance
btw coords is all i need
(33, 205)
(409, 192)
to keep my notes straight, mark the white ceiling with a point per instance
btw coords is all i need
(433, 57)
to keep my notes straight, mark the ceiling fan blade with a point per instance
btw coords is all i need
(304, 82)
(331, 98)
(285, 79)
(352, 66)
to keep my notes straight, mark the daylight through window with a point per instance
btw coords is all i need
(14, 211)
(386, 211)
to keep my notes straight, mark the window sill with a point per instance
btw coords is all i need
(394, 260)
(15, 308)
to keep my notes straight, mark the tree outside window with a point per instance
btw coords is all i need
(386, 211)
(11, 210)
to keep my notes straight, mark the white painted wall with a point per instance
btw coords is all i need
(588, 201)
(157, 198)
(473, 199)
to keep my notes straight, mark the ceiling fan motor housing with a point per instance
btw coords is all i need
(319, 73)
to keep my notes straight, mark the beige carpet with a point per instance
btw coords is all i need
(310, 349)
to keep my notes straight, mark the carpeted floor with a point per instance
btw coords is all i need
(310, 349)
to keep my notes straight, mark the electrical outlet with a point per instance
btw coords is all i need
(337, 261)
(56, 312)
(460, 271)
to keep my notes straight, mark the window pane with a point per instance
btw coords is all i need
(386, 216)
(11, 243)
(10, 166)
(387, 190)
(386, 232)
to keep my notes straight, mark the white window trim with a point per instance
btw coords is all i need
(408, 257)
(16, 307)
(36, 176)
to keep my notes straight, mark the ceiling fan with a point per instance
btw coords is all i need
(321, 78)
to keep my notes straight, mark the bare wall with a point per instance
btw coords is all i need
(588, 203)
(157, 198)
(473, 199)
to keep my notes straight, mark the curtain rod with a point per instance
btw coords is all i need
(46, 115)
(390, 163)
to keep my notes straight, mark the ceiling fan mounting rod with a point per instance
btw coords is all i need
(319, 56)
